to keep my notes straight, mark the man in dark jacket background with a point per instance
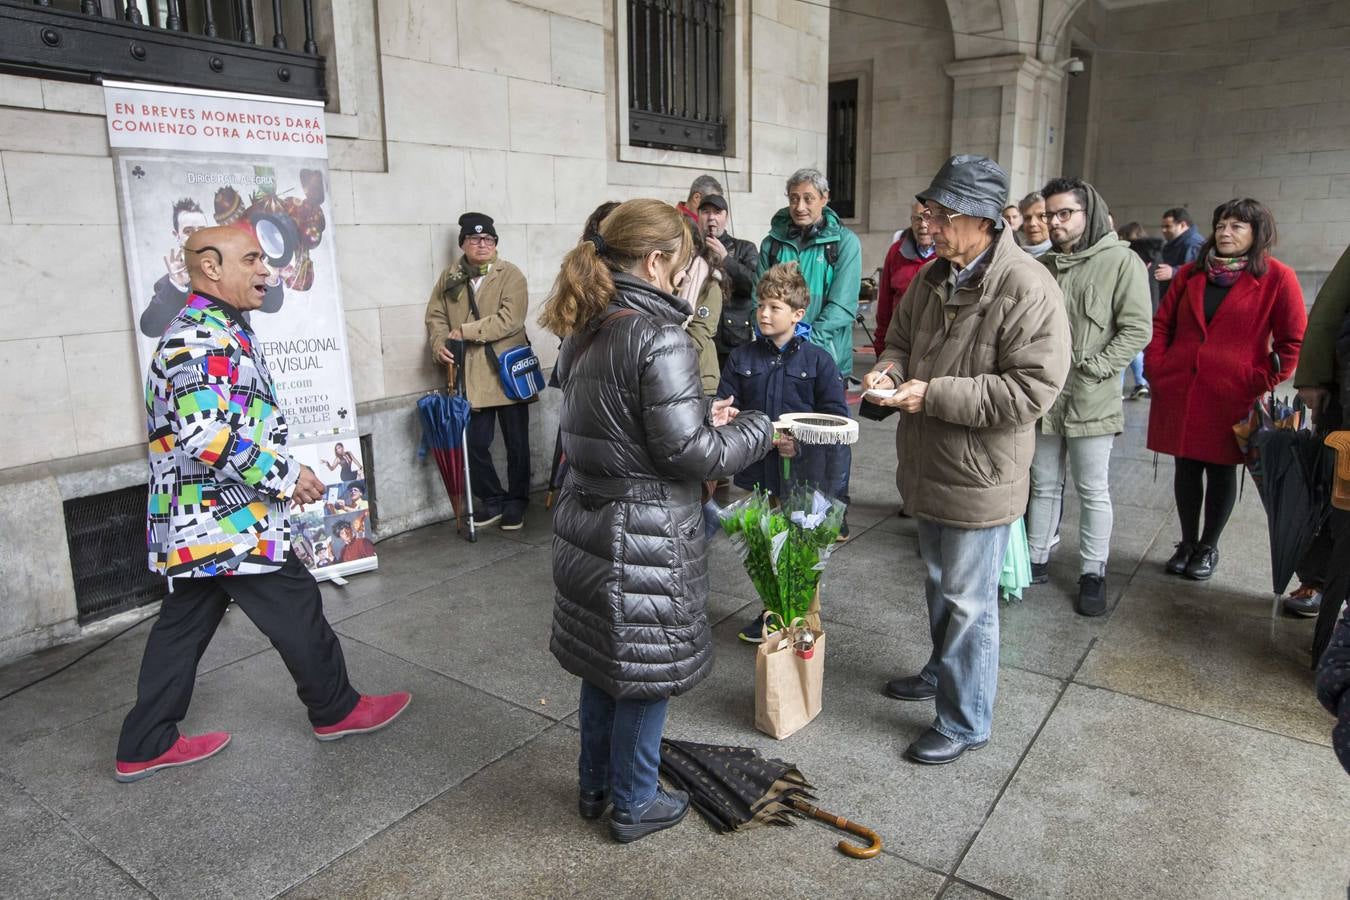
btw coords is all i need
(738, 259)
(1183, 244)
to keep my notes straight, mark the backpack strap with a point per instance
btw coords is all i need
(831, 253)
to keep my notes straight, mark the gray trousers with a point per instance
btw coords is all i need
(1088, 460)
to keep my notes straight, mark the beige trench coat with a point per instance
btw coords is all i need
(503, 300)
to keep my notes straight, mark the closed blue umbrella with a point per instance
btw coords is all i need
(444, 420)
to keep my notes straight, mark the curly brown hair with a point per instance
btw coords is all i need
(784, 282)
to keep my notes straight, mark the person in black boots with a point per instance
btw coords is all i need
(1229, 330)
(629, 553)
(481, 300)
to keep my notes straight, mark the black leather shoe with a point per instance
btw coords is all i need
(1091, 596)
(1203, 562)
(665, 811)
(1180, 559)
(1040, 573)
(911, 687)
(592, 803)
(933, 748)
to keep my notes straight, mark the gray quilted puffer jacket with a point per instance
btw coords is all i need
(628, 547)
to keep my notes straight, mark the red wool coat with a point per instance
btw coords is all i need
(896, 273)
(1205, 378)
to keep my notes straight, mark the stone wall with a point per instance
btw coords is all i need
(1242, 98)
(909, 115)
(511, 108)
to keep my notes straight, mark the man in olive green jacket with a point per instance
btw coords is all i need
(1106, 296)
(497, 290)
(976, 352)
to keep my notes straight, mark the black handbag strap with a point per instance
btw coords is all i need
(488, 349)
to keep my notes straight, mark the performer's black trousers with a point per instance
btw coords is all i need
(285, 605)
(486, 487)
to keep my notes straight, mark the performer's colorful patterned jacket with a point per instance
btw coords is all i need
(220, 475)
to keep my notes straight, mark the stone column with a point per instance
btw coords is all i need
(1011, 109)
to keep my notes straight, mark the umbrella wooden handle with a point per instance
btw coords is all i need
(843, 824)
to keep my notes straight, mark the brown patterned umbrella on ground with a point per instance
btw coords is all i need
(735, 788)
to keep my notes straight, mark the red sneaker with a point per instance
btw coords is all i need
(371, 714)
(184, 752)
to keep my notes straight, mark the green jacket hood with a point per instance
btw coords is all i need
(1057, 261)
(782, 221)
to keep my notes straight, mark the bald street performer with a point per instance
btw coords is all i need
(221, 485)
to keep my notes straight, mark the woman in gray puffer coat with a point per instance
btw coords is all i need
(628, 544)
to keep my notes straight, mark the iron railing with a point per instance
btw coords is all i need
(108, 561)
(841, 147)
(193, 43)
(675, 74)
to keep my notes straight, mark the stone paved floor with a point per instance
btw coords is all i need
(1170, 749)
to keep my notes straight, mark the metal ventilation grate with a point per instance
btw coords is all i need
(106, 534)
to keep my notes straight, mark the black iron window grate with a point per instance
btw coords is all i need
(841, 159)
(675, 74)
(252, 46)
(108, 557)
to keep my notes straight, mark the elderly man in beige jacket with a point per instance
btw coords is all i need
(976, 352)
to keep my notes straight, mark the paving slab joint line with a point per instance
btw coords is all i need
(511, 751)
(80, 835)
(1214, 718)
(468, 571)
(449, 677)
(989, 892)
(201, 673)
(1003, 788)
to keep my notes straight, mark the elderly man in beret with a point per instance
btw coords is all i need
(976, 352)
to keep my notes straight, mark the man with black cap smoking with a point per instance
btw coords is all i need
(739, 259)
(482, 300)
(976, 352)
(1110, 313)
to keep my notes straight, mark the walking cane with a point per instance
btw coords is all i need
(462, 359)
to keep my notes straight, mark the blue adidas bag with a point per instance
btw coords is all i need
(522, 376)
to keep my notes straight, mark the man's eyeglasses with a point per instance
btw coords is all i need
(485, 239)
(940, 219)
(1058, 215)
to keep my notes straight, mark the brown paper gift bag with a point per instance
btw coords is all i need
(1340, 488)
(787, 683)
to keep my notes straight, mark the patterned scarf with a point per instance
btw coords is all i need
(1224, 270)
(475, 271)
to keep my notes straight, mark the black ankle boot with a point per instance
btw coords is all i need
(665, 810)
(1203, 562)
(592, 803)
(1180, 559)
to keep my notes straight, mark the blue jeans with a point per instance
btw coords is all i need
(962, 590)
(1136, 370)
(620, 746)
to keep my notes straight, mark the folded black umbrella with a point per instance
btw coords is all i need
(1296, 493)
(735, 788)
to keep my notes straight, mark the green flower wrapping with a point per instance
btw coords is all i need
(784, 547)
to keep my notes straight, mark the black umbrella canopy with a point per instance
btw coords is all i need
(735, 788)
(1297, 496)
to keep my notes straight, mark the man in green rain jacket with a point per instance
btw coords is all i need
(830, 257)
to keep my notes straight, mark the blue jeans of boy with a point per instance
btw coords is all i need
(620, 746)
(962, 589)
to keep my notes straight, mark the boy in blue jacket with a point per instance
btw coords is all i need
(779, 372)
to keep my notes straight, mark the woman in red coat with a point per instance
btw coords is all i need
(1228, 330)
(906, 257)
